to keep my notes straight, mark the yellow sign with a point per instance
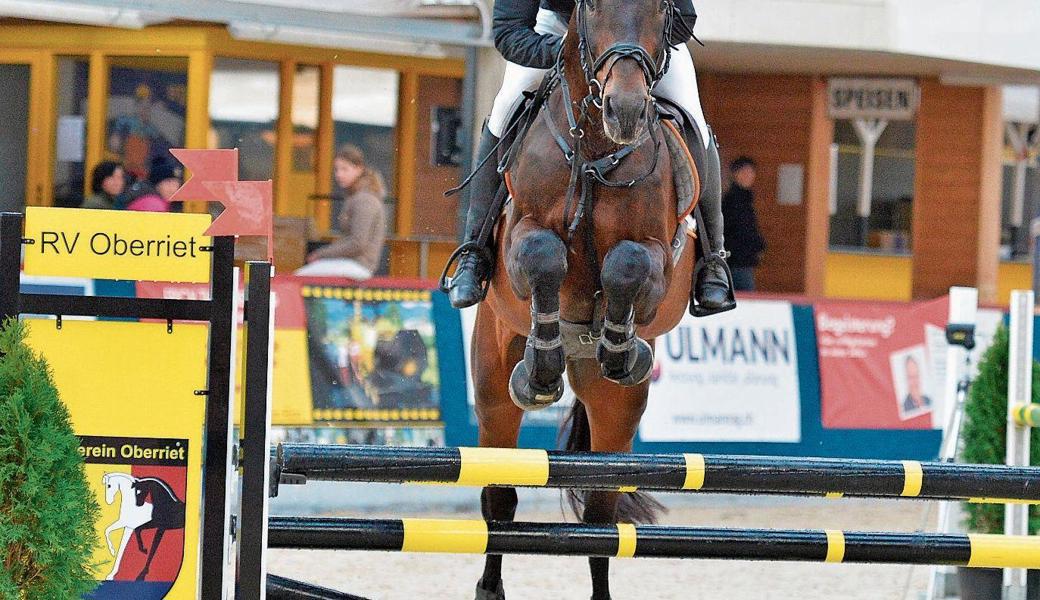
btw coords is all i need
(130, 390)
(116, 244)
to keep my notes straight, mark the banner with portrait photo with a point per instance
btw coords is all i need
(879, 363)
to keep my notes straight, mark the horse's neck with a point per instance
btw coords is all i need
(161, 494)
(127, 497)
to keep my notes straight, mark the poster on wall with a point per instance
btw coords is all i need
(729, 378)
(878, 363)
(373, 360)
(143, 451)
(352, 365)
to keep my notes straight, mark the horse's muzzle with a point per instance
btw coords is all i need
(624, 117)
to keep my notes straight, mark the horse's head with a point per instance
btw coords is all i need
(115, 483)
(624, 53)
(110, 488)
(140, 493)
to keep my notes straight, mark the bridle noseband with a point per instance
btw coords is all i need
(653, 67)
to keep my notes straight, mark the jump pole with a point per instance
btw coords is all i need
(1020, 392)
(650, 541)
(479, 467)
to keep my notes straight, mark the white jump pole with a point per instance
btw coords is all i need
(1020, 380)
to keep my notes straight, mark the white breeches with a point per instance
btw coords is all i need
(678, 85)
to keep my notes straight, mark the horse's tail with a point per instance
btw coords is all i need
(633, 507)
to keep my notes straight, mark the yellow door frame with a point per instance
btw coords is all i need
(39, 124)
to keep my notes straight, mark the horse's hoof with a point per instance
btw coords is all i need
(642, 366)
(483, 594)
(526, 395)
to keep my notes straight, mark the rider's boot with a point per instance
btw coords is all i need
(476, 260)
(712, 281)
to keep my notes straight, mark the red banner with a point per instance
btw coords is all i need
(878, 363)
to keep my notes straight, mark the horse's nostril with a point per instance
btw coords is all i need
(608, 108)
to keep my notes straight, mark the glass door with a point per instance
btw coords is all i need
(15, 80)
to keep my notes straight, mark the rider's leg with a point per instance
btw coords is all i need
(468, 285)
(712, 286)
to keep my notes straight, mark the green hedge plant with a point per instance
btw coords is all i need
(985, 430)
(47, 510)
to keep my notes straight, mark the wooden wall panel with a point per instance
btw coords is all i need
(769, 118)
(956, 198)
(433, 214)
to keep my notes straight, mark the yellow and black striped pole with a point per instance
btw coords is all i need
(646, 541)
(678, 472)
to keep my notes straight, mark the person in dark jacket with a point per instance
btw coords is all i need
(745, 239)
(529, 35)
(107, 184)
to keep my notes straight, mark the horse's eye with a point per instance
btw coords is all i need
(590, 5)
(663, 6)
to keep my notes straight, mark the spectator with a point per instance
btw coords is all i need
(164, 179)
(743, 238)
(360, 222)
(107, 184)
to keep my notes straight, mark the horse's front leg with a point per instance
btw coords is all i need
(633, 285)
(108, 536)
(537, 265)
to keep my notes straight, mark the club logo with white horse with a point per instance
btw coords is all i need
(141, 484)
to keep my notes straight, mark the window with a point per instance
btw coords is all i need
(306, 105)
(1020, 190)
(243, 111)
(146, 111)
(70, 145)
(364, 109)
(884, 223)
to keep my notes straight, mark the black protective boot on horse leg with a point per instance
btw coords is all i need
(469, 284)
(712, 291)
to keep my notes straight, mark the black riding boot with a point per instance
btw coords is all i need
(476, 259)
(712, 281)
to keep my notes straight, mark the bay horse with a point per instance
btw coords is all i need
(592, 263)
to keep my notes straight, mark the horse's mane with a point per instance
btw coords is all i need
(162, 484)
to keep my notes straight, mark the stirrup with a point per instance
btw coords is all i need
(445, 280)
(718, 258)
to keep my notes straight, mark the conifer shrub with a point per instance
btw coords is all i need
(985, 430)
(47, 510)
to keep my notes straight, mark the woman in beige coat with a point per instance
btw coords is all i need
(359, 220)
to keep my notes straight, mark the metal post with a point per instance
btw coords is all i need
(256, 440)
(10, 264)
(1020, 375)
(467, 111)
(869, 132)
(215, 548)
